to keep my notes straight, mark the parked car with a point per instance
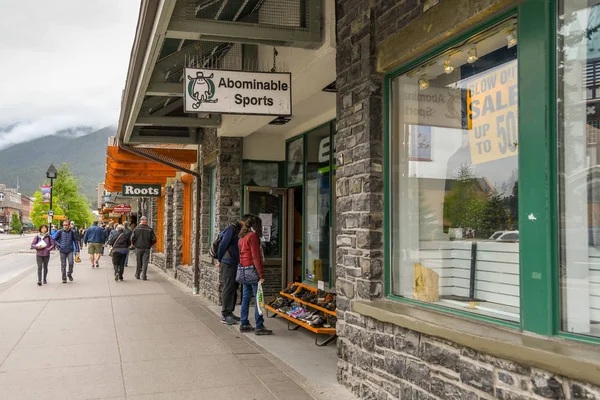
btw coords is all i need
(496, 235)
(509, 236)
(1, 230)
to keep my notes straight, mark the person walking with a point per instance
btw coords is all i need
(127, 232)
(67, 243)
(228, 258)
(120, 243)
(94, 239)
(143, 238)
(251, 273)
(43, 244)
(22, 231)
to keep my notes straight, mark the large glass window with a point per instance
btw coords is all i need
(317, 205)
(257, 173)
(578, 45)
(454, 174)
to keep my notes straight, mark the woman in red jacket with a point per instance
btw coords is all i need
(250, 272)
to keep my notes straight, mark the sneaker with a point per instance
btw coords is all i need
(92, 266)
(70, 277)
(39, 283)
(235, 317)
(317, 322)
(263, 332)
(246, 328)
(45, 282)
(64, 281)
(97, 264)
(116, 278)
(229, 320)
(120, 278)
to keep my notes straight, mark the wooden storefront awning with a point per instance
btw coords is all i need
(125, 167)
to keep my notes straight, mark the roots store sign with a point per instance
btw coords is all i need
(133, 190)
(233, 92)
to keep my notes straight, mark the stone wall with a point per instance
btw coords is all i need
(227, 156)
(168, 228)
(382, 361)
(158, 259)
(273, 278)
(177, 224)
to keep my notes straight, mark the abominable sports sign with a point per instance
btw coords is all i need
(233, 92)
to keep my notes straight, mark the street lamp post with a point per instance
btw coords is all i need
(51, 174)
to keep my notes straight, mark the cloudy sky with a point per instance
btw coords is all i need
(63, 64)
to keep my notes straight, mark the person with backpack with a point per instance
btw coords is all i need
(67, 243)
(228, 258)
(250, 272)
(42, 244)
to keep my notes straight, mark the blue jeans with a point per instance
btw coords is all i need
(247, 292)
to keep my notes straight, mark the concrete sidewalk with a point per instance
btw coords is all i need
(95, 338)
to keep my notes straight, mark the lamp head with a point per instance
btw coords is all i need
(51, 173)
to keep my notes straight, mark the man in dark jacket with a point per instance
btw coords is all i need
(142, 238)
(96, 239)
(67, 243)
(228, 258)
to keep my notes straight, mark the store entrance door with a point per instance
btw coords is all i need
(270, 205)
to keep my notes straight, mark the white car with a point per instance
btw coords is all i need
(509, 236)
(496, 235)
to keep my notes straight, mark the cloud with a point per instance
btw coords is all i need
(63, 65)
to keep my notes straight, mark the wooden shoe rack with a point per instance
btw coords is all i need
(330, 332)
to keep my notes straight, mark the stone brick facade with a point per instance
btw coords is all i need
(177, 224)
(382, 361)
(227, 155)
(379, 360)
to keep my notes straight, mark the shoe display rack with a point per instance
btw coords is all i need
(295, 323)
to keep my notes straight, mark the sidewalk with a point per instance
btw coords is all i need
(95, 338)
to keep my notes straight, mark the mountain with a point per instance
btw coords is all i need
(29, 161)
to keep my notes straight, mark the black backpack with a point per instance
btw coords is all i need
(214, 246)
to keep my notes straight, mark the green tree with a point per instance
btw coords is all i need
(494, 216)
(66, 199)
(38, 209)
(464, 205)
(15, 223)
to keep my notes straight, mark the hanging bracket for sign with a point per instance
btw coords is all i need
(235, 92)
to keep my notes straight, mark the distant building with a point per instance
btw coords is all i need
(10, 202)
(26, 206)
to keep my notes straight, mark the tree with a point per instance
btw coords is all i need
(66, 200)
(494, 216)
(38, 209)
(15, 223)
(464, 205)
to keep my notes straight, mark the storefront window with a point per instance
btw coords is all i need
(256, 173)
(578, 107)
(317, 205)
(295, 161)
(454, 174)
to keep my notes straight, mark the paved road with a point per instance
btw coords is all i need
(15, 256)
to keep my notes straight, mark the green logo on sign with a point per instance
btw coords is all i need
(202, 89)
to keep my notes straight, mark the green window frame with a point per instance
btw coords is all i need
(538, 244)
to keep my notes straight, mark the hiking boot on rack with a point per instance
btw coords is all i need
(317, 322)
(291, 288)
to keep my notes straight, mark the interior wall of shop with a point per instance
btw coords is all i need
(377, 359)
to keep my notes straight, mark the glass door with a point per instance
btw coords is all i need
(269, 204)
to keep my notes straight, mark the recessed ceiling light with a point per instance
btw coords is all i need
(280, 121)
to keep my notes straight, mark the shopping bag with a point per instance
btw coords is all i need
(260, 299)
(77, 258)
